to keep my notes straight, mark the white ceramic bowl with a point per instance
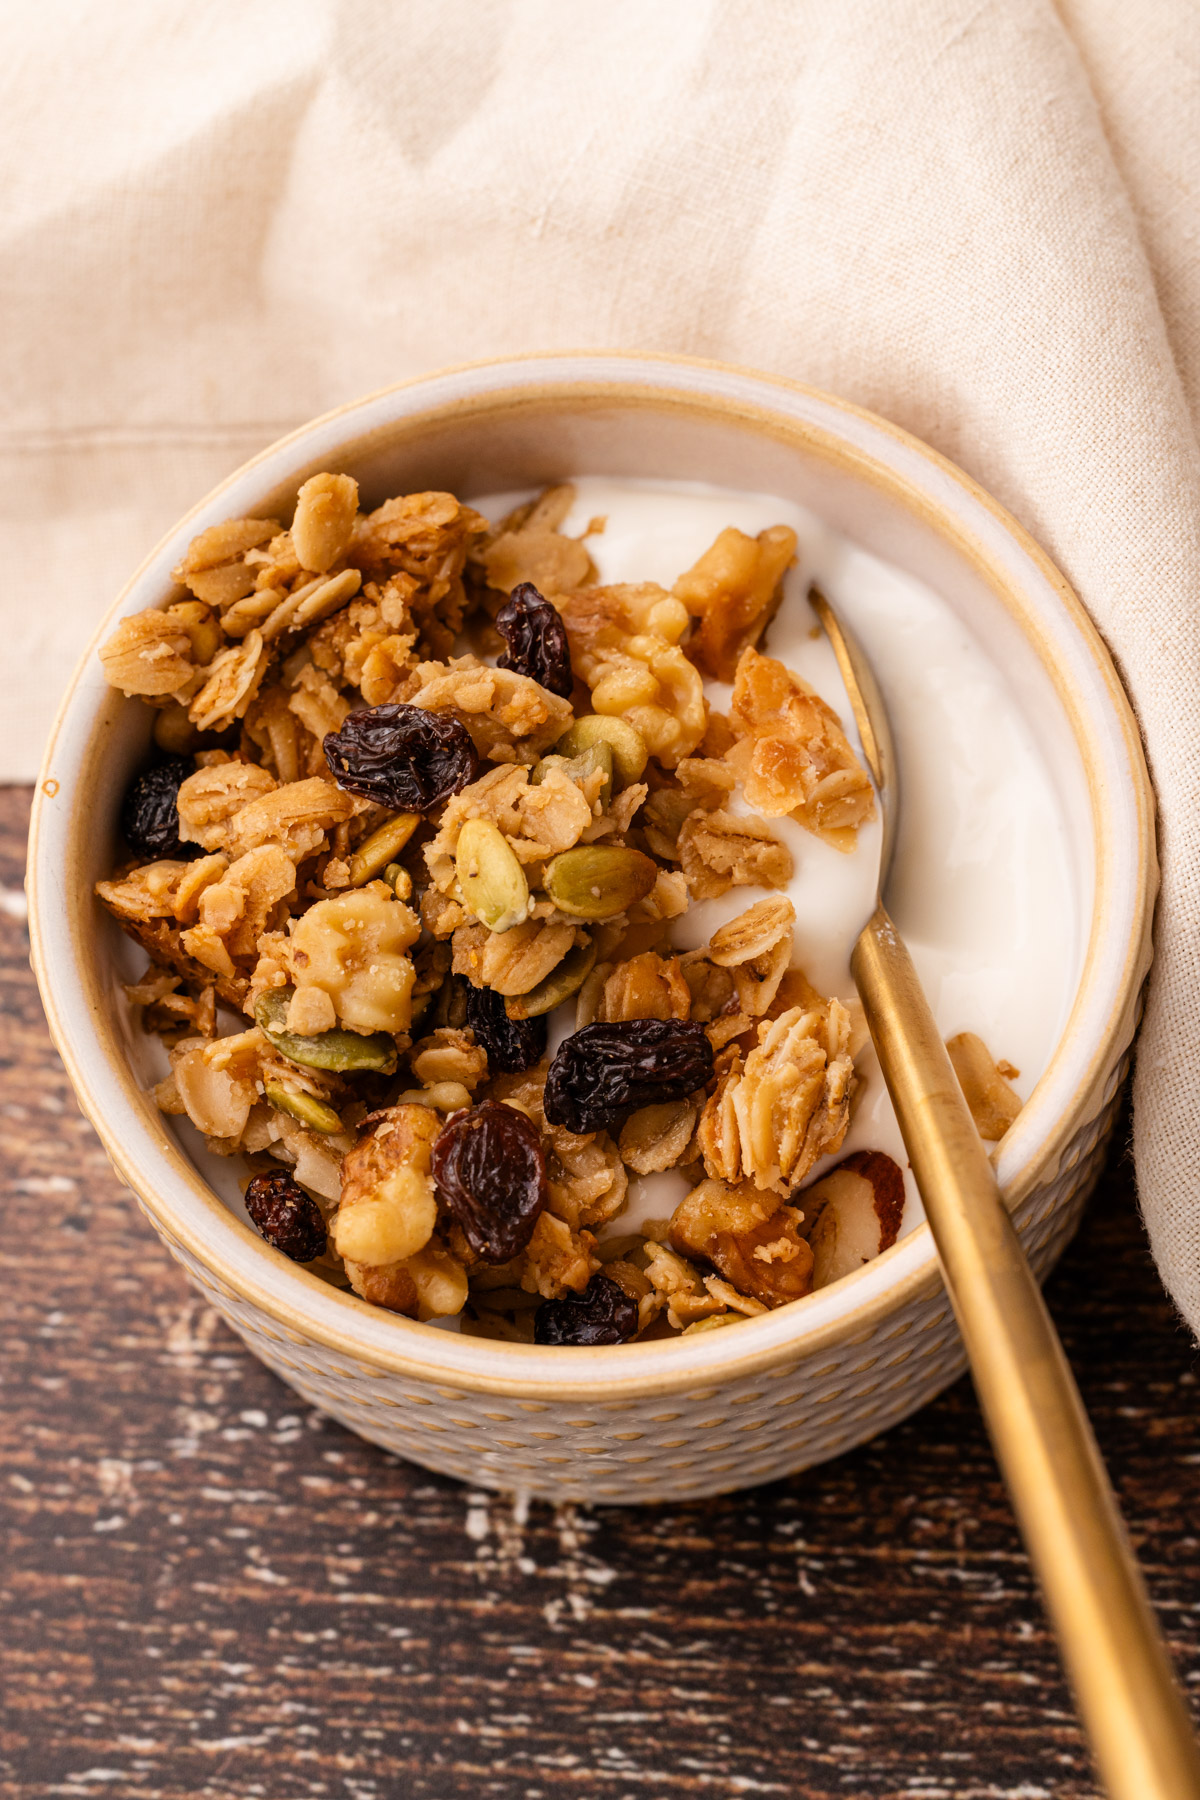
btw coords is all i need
(717, 1410)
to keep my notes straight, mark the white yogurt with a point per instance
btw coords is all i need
(981, 886)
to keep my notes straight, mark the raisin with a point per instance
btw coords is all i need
(150, 812)
(490, 1175)
(286, 1216)
(512, 1045)
(402, 756)
(606, 1071)
(603, 1314)
(537, 640)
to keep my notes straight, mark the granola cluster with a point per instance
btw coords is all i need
(424, 785)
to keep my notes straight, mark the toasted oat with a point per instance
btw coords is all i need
(993, 1102)
(150, 653)
(770, 1121)
(792, 754)
(720, 850)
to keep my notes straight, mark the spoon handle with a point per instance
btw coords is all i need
(1114, 1653)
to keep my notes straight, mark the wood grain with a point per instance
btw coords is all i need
(208, 1591)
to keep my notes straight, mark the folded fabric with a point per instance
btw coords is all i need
(978, 220)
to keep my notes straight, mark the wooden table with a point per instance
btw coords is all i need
(209, 1591)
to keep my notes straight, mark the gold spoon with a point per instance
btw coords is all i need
(1114, 1654)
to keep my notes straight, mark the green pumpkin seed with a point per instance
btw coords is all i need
(381, 848)
(597, 881)
(577, 768)
(305, 1107)
(557, 986)
(399, 880)
(629, 752)
(492, 880)
(340, 1051)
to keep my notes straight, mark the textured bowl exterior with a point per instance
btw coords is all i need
(721, 1410)
(704, 1440)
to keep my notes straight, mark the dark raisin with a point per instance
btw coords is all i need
(150, 812)
(402, 756)
(512, 1045)
(491, 1177)
(606, 1071)
(286, 1216)
(536, 638)
(602, 1314)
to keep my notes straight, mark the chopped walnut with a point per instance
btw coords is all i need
(771, 1120)
(388, 1206)
(625, 644)
(733, 589)
(355, 947)
(793, 756)
(993, 1102)
(745, 1234)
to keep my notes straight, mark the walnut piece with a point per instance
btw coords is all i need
(625, 644)
(749, 1237)
(355, 948)
(388, 1206)
(733, 589)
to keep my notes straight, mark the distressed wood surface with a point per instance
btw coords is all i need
(209, 1591)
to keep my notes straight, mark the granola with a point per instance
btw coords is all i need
(395, 858)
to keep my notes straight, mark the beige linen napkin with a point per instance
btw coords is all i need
(979, 219)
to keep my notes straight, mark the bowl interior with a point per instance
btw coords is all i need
(522, 425)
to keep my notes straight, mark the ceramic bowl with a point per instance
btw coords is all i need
(716, 1410)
